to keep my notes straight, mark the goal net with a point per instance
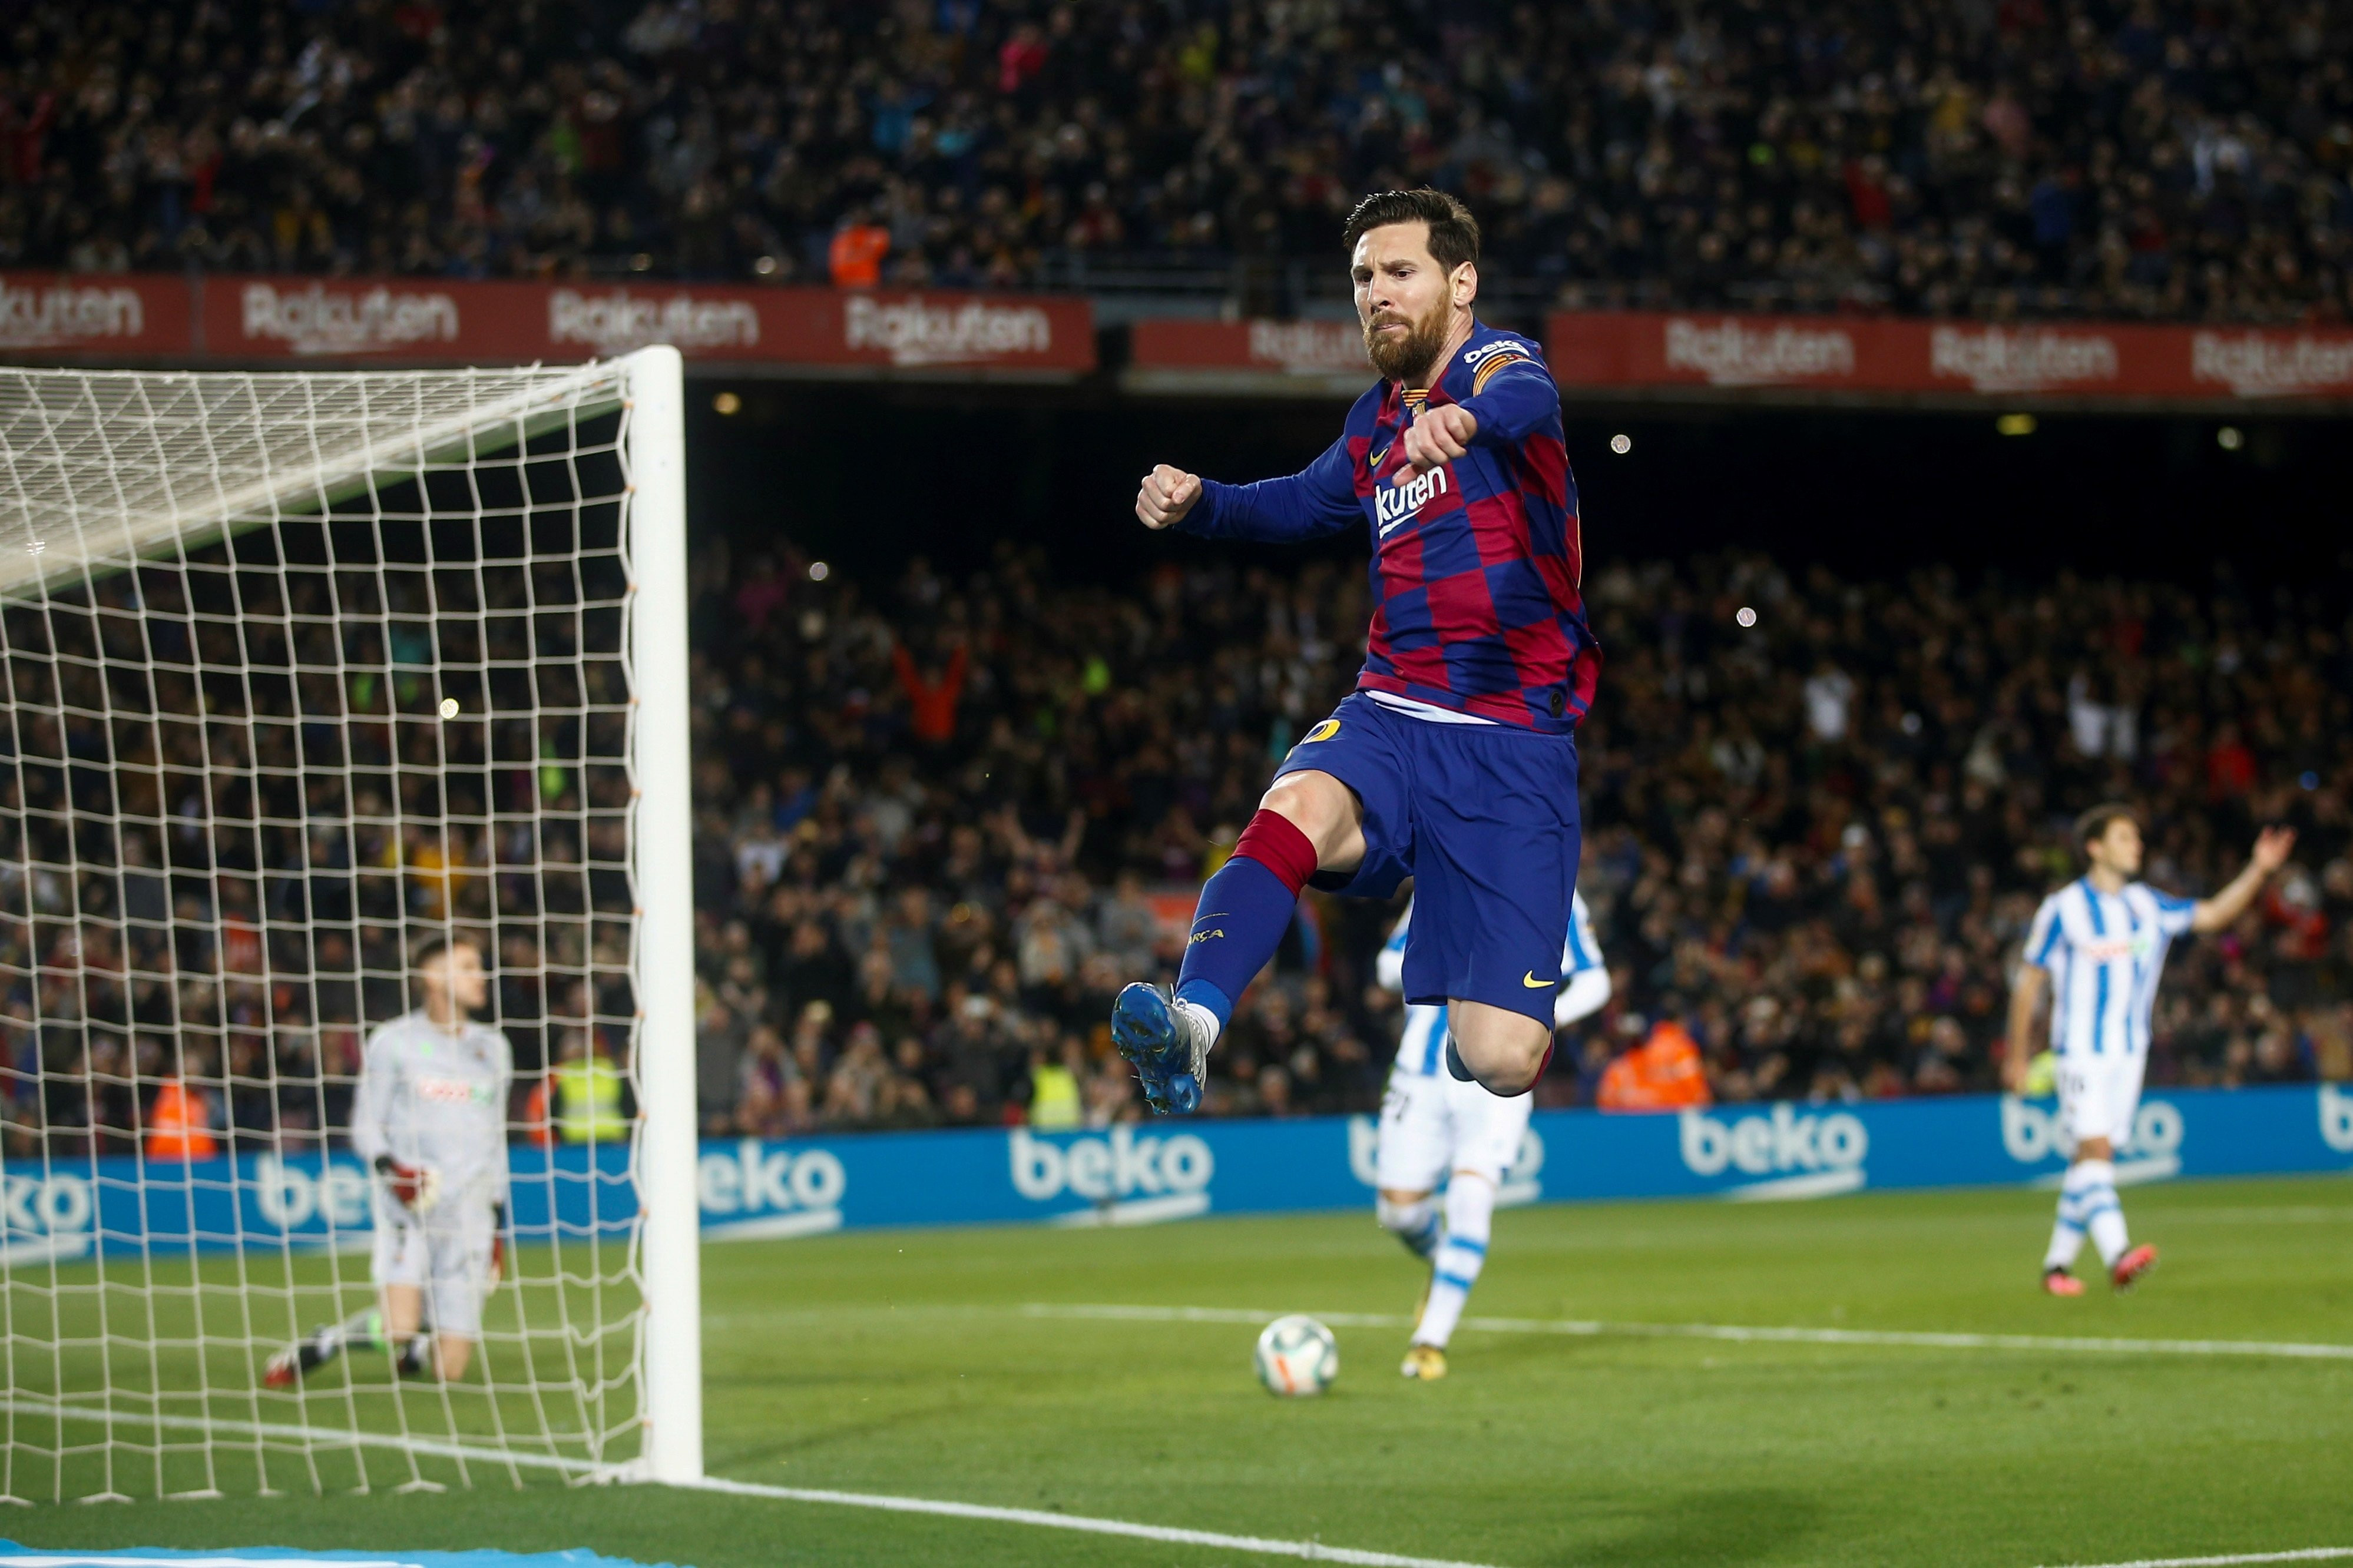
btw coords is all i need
(303, 672)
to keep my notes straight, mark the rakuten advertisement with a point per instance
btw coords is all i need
(431, 319)
(82, 313)
(371, 318)
(1311, 356)
(1867, 355)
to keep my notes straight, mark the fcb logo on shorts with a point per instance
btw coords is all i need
(1323, 731)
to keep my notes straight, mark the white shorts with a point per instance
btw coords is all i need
(1430, 1126)
(2099, 1094)
(446, 1254)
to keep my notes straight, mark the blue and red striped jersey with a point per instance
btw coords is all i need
(1476, 565)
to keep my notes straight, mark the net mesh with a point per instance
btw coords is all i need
(302, 669)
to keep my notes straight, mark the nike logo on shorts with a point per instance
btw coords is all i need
(1533, 984)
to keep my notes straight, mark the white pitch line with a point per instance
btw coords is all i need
(322, 1436)
(1734, 1331)
(1311, 1550)
(2309, 1555)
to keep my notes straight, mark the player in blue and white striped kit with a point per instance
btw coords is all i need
(1433, 1123)
(2100, 942)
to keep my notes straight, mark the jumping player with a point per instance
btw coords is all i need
(2101, 941)
(431, 1118)
(1454, 761)
(1431, 1124)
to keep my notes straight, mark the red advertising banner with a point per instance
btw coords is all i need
(87, 313)
(1865, 355)
(430, 319)
(1290, 348)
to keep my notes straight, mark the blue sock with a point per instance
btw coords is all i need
(1239, 922)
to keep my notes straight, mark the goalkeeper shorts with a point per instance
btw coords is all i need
(446, 1254)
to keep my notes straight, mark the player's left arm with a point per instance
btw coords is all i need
(1513, 396)
(1585, 978)
(2272, 848)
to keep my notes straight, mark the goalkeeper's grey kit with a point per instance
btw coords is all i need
(437, 1098)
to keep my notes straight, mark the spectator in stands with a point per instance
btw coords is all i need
(1663, 1073)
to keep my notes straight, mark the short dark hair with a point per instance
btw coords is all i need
(2094, 824)
(433, 947)
(1453, 232)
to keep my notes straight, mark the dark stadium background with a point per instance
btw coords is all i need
(865, 474)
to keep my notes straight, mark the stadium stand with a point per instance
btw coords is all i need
(939, 824)
(1993, 158)
(1821, 881)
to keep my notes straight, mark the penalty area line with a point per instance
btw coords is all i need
(1310, 1550)
(1735, 1333)
(2307, 1554)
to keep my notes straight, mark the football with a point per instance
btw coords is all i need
(1296, 1356)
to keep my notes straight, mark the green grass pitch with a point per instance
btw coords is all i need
(905, 1364)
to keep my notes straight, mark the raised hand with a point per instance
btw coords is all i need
(1166, 495)
(1439, 435)
(2273, 846)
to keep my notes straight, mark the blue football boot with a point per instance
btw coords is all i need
(1167, 1043)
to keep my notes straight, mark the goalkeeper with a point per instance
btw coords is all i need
(430, 1118)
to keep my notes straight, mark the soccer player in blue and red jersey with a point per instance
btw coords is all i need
(1454, 762)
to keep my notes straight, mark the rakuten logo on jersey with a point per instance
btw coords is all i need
(454, 1090)
(1130, 1180)
(2032, 1134)
(322, 320)
(1398, 504)
(1804, 1154)
(915, 333)
(68, 314)
(618, 321)
(764, 1192)
(46, 1216)
(1731, 353)
(293, 1197)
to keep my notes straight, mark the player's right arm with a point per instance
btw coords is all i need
(2025, 997)
(2223, 910)
(372, 1102)
(411, 1187)
(2042, 939)
(1319, 499)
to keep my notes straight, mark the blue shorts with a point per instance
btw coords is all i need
(1483, 818)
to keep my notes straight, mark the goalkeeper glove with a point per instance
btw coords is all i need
(413, 1187)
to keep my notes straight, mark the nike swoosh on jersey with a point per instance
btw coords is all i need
(1375, 460)
(1533, 984)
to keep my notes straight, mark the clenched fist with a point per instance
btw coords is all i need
(1439, 435)
(1166, 495)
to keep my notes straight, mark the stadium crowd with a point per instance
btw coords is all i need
(940, 824)
(2144, 158)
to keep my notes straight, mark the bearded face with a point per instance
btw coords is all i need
(1403, 348)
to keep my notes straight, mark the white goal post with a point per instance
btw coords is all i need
(299, 671)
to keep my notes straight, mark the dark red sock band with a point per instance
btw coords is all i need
(1274, 842)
